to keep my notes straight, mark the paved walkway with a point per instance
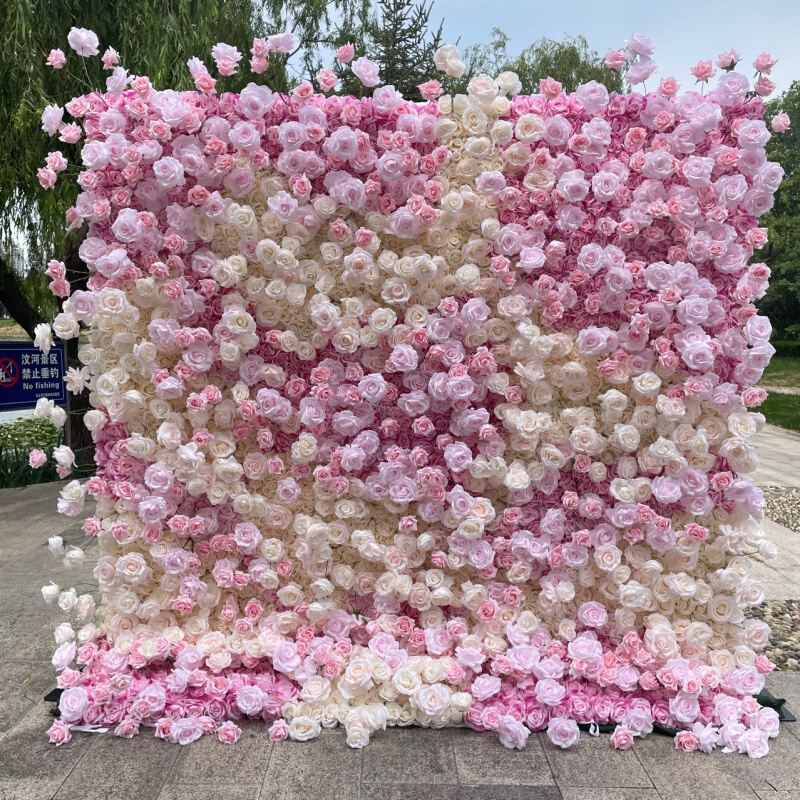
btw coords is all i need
(779, 457)
(399, 764)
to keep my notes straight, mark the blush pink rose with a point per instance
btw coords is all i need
(37, 458)
(59, 733)
(229, 733)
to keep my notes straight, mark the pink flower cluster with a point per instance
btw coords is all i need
(420, 413)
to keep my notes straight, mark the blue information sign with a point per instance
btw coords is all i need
(26, 374)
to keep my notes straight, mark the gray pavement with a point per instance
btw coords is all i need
(398, 764)
(779, 457)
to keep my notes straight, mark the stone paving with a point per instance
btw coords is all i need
(398, 764)
(779, 454)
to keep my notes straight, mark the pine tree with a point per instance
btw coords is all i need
(398, 38)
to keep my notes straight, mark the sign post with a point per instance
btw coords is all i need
(26, 374)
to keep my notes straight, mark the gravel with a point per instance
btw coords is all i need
(783, 506)
(783, 617)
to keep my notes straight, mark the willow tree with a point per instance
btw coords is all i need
(153, 38)
(570, 61)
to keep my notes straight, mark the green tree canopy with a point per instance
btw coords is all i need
(570, 61)
(782, 253)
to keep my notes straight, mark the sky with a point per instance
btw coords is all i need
(683, 31)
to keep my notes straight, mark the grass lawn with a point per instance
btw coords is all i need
(782, 371)
(782, 410)
(11, 332)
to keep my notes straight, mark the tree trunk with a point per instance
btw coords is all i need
(15, 302)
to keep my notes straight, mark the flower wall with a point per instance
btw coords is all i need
(419, 413)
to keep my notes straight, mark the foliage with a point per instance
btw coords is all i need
(319, 26)
(571, 61)
(782, 371)
(398, 38)
(786, 349)
(782, 410)
(17, 439)
(782, 253)
(29, 433)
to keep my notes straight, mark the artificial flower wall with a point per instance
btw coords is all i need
(417, 413)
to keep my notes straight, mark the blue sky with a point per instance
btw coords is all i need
(684, 31)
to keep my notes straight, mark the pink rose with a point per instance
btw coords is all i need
(281, 42)
(764, 63)
(563, 732)
(431, 90)
(687, 741)
(513, 734)
(84, 42)
(640, 45)
(622, 738)
(326, 79)
(37, 458)
(72, 703)
(366, 71)
(185, 731)
(127, 729)
(754, 743)
(226, 58)
(51, 119)
(702, 70)
(668, 87)
(780, 122)
(56, 59)
(491, 183)
(229, 733)
(641, 70)
(278, 731)
(549, 692)
(345, 53)
(764, 87)
(485, 686)
(550, 87)
(59, 733)
(616, 60)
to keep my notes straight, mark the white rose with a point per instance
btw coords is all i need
(67, 600)
(433, 700)
(406, 681)
(64, 633)
(65, 326)
(303, 728)
(316, 689)
(447, 60)
(74, 557)
(50, 593)
(529, 128)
